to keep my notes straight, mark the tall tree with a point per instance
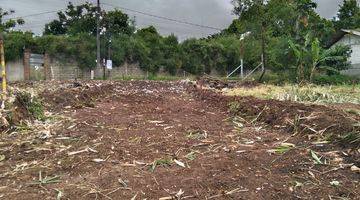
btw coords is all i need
(255, 12)
(82, 19)
(74, 20)
(348, 16)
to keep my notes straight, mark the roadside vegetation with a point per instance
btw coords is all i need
(294, 41)
(289, 131)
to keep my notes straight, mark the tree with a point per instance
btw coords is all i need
(15, 42)
(305, 9)
(74, 20)
(171, 59)
(116, 22)
(256, 12)
(348, 15)
(18, 40)
(10, 23)
(82, 19)
(311, 57)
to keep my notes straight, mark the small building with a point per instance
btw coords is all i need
(352, 39)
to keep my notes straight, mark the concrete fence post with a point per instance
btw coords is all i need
(26, 61)
(47, 71)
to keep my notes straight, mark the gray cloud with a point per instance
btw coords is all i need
(215, 13)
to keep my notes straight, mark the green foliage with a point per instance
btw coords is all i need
(351, 138)
(32, 105)
(116, 22)
(348, 15)
(283, 148)
(316, 158)
(311, 57)
(341, 55)
(82, 19)
(276, 78)
(15, 43)
(8, 24)
(335, 79)
(80, 48)
(165, 162)
(276, 22)
(204, 56)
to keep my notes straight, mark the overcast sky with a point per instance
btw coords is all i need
(214, 13)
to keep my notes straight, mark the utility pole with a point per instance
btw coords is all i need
(3, 71)
(98, 57)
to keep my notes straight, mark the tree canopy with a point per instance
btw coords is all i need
(279, 30)
(7, 25)
(348, 16)
(82, 19)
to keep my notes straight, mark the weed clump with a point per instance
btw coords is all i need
(27, 107)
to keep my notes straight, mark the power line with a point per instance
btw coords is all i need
(164, 18)
(128, 9)
(34, 15)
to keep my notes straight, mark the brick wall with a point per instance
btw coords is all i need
(54, 69)
(124, 70)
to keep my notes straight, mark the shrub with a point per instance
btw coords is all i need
(336, 79)
(272, 78)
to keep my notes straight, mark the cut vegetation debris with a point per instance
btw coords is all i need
(309, 94)
(316, 158)
(197, 134)
(166, 162)
(46, 180)
(320, 121)
(111, 140)
(27, 106)
(191, 156)
(283, 148)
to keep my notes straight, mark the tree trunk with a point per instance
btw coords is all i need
(263, 51)
(312, 74)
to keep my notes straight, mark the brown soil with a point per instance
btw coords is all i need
(76, 95)
(214, 83)
(129, 125)
(294, 117)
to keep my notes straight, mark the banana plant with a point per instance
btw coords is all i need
(319, 56)
(310, 56)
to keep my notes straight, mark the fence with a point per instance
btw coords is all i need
(43, 67)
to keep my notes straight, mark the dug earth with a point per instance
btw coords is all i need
(170, 140)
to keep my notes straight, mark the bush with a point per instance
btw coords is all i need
(272, 78)
(336, 79)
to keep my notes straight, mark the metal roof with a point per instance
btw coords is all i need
(353, 32)
(341, 34)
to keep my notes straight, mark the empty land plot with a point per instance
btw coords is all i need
(169, 140)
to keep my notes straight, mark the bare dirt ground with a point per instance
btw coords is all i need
(168, 140)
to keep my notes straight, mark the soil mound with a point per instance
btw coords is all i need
(291, 116)
(75, 95)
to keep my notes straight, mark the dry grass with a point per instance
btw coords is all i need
(309, 93)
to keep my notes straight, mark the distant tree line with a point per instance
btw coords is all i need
(292, 38)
